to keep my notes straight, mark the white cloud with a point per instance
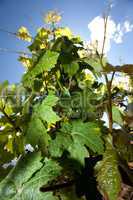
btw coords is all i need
(128, 26)
(96, 27)
(114, 32)
(118, 35)
(121, 30)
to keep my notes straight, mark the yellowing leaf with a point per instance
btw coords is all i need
(42, 32)
(23, 34)
(52, 17)
(63, 32)
(27, 62)
(40, 40)
(43, 46)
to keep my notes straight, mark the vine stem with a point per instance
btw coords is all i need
(108, 83)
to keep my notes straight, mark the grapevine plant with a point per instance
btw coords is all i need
(57, 110)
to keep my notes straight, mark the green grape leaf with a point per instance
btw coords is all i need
(78, 151)
(45, 63)
(45, 110)
(25, 168)
(108, 175)
(74, 137)
(61, 142)
(71, 68)
(30, 173)
(49, 172)
(117, 117)
(88, 134)
(50, 100)
(37, 133)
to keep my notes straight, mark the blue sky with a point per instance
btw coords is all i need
(76, 14)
